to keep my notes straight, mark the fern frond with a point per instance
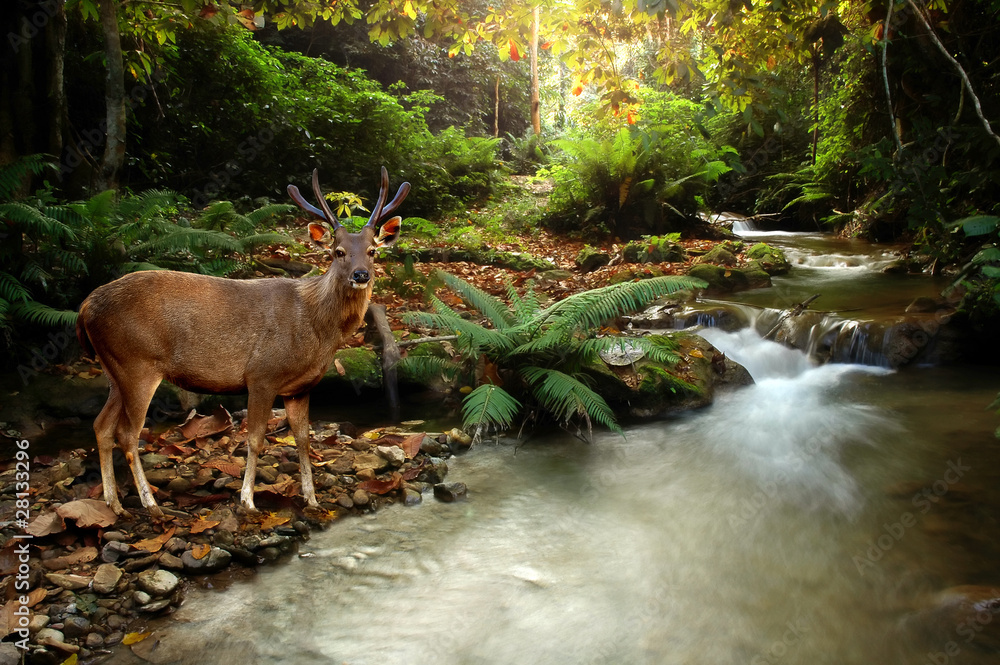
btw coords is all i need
(12, 175)
(33, 222)
(43, 315)
(488, 305)
(252, 242)
(589, 309)
(488, 405)
(262, 214)
(425, 369)
(12, 290)
(470, 335)
(525, 307)
(566, 397)
(181, 238)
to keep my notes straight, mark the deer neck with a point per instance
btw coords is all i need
(334, 307)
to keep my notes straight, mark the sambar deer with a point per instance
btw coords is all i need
(265, 337)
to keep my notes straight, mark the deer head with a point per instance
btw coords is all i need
(353, 254)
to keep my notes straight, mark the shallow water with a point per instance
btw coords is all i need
(725, 536)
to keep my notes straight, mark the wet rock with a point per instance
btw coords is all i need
(345, 501)
(723, 279)
(74, 627)
(176, 545)
(769, 259)
(114, 550)
(151, 460)
(449, 492)
(115, 536)
(106, 578)
(459, 438)
(155, 606)
(115, 622)
(158, 583)
(214, 561)
(114, 637)
(161, 477)
(268, 554)
(719, 255)
(431, 447)
(37, 622)
(394, 455)
(171, 561)
(141, 563)
(281, 542)
(922, 305)
(411, 497)
(142, 598)
(360, 498)
(94, 640)
(71, 582)
(434, 472)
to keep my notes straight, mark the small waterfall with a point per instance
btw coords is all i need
(744, 226)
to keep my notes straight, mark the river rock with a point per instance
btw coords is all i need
(37, 622)
(434, 472)
(95, 640)
(458, 437)
(158, 583)
(214, 561)
(106, 578)
(71, 582)
(161, 477)
(360, 497)
(590, 259)
(449, 492)
(9, 654)
(411, 497)
(394, 455)
(74, 627)
(142, 598)
(369, 462)
(114, 550)
(155, 606)
(431, 447)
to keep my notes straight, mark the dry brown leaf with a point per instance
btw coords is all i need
(411, 445)
(272, 521)
(201, 551)
(199, 427)
(155, 544)
(88, 512)
(228, 468)
(36, 596)
(381, 486)
(45, 524)
(340, 368)
(203, 525)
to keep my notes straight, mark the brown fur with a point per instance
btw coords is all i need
(266, 337)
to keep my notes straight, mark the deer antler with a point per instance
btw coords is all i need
(380, 212)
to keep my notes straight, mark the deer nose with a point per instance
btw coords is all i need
(361, 276)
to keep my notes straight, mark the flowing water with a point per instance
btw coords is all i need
(814, 517)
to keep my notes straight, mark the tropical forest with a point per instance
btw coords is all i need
(474, 331)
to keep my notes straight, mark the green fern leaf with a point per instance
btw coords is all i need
(43, 315)
(566, 397)
(487, 305)
(488, 405)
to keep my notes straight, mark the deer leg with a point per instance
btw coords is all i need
(104, 428)
(258, 412)
(297, 411)
(129, 428)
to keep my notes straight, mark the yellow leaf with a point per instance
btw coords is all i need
(203, 525)
(465, 390)
(696, 353)
(72, 660)
(408, 10)
(728, 273)
(272, 521)
(372, 434)
(201, 551)
(135, 638)
(287, 440)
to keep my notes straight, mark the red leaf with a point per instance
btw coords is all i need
(381, 486)
(88, 512)
(228, 468)
(514, 55)
(202, 426)
(411, 445)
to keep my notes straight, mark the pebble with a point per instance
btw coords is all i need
(142, 598)
(114, 637)
(158, 583)
(267, 475)
(281, 542)
(74, 627)
(360, 497)
(456, 435)
(345, 501)
(134, 565)
(179, 485)
(106, 578)
(95, 640)
(432, 447)
(71, 582)
(268, 554)
(9, 654)
(114, 550)
(411, 497)
(155, 606)
(115, 622)
(37, 622)
(449, 492)
(394, 455)
(115, 536)
(215, 560)
(434, 472)
(176, 545)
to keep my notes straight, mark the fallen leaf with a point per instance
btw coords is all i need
(45, 524)
(72, 660)
(155, 544)
(287, 440)
(135, 638)
(88, 512)
(340, 368)
(411, 445)
(372, 434)
(176, 451)
(201, 551)
(381, 486)
(203, 525)
(36, 596)
(272, 521)
(196, 426)
(696, 353)
(228, 468)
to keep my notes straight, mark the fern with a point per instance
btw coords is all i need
(13, 175)
(486, 304)
(43, 315)
(566, 397)
(488, 405)
(425, 369)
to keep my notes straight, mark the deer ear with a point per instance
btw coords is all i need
(389, 232)
(317, 231)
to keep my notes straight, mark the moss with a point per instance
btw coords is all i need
(769, 259)
(653, 250)
(362, 368)
(726, 280)
(590, 259)
(719, 255)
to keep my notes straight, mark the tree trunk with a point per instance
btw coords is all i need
(496, 109)
(817, 62)
(55, 36)
(536, 113)
(114, 97)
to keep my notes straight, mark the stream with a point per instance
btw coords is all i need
(815, 517)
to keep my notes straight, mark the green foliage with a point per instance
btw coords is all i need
(542, 354)
(286, 110)
(649, 178)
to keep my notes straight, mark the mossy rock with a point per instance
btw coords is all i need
(478, 255)
(769, 259)
(650, 252)
(362, 368)
(632, 275)
(648, 389)
(727, 280)
(590, 259)
(719, 255)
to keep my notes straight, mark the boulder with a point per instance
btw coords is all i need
(722, 279)
(590, 259)
(769, 259)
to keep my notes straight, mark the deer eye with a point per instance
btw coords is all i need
(371, 253)
(340, 253)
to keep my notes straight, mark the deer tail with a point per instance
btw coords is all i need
(81, 333)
